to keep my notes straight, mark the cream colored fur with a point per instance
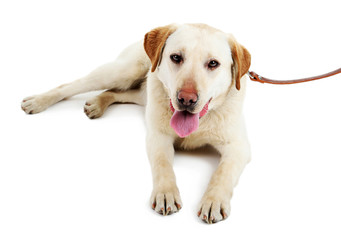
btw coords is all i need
(222, 127)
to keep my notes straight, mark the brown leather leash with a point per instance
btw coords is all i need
(255, 77)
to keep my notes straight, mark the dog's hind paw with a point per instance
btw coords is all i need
(35, 104)
(93, 109)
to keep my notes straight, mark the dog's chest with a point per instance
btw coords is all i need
(202, 137)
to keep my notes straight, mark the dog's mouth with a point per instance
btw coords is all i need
(184, 123)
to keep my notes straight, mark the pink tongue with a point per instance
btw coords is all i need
(184, 123)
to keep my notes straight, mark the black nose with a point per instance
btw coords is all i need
(187, 99)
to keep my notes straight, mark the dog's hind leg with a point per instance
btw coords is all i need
(95, 107)
(132, 64)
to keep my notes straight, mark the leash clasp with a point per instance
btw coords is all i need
(250, 75)
(255, 77)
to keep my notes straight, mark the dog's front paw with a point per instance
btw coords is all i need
(166, 202)
(34, 104)
(214, 209)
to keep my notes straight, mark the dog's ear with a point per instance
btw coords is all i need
(154, 42)
(241, 60)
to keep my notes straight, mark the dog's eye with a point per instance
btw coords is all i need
(213, 64)
(176, 58)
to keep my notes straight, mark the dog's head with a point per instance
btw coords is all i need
(196, 63)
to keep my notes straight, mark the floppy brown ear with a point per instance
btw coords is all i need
(154, 42)
(241, 60)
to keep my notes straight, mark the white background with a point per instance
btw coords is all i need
(63, 176)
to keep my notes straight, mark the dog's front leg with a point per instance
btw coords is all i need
(215, 204)
(165, 198)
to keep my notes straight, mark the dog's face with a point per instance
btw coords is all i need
(196, 64)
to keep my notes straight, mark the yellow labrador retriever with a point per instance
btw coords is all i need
(191, 78)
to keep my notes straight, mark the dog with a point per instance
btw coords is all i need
(191, 78)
